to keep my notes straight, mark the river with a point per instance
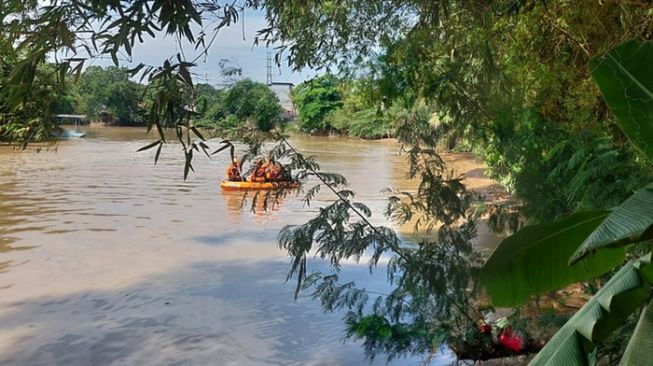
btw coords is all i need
(107, 259)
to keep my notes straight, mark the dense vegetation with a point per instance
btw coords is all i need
(110, 95)
(343, 106)
(538, 89)
(248, 101)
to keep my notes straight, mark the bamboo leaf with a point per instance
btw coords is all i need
(197, 133)
(158, 152)
(136, 69)
(205, 149)
(149, 146)
(627, 224)
(220, 149)
(625, 77)
(534, 260)
(187, 166)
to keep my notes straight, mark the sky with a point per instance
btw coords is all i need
(231, 43)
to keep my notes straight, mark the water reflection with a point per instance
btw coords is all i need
(264, 204)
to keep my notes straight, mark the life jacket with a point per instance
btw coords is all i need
(261, 171)
(274, 173)
(233, 171)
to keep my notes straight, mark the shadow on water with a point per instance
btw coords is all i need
(233, 237)
(207, 313)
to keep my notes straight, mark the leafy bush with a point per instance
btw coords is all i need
(370, 124)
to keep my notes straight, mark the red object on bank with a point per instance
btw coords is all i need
(485, 328)
(511, 340)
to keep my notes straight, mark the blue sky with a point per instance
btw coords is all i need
(231, 43)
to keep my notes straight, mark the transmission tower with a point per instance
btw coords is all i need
(268, 75)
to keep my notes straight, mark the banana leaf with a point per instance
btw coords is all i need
(535, 259)
(600, 316)
(625, 77)
(628, 223)
(638, 352)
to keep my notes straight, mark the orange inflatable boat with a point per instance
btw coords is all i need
(232, 186)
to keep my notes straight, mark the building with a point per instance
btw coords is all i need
(282, 90)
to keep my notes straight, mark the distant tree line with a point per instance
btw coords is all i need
(109, 95)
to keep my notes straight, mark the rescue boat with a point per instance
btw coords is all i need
(238, 185)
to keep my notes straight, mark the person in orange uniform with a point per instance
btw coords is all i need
(265, 168)
(274, 172)
(233, 171)
(258, 173)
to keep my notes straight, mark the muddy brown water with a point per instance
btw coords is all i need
(106, 259)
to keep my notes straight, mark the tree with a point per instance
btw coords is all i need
(362, 114)
(32, 119)
(210, 102)
(76, 31)
(109, 90)
(536, 116)
(315, 99)
(495, 90)
(248, 100)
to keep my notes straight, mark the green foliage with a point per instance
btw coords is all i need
(81, 30)
(108, 91)
(628, 223)
(624, 293)
(210, 104)
(244, 102)
(481, 75)
(31, 118)
(539, 255)
(625, 76)
(250, 101)
(371, 124)
(314, 100)
(493, 88)
(639, 348)
(345, 106)
(433, 279)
